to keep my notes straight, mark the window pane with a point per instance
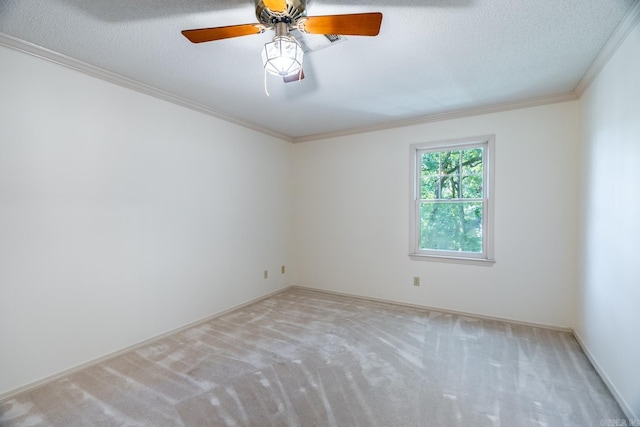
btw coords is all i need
(450, 162)
(453, 180)
(472, 161)
(429, 187)
(451, 226)
(450, 187)
(472, 187)
(430, 164)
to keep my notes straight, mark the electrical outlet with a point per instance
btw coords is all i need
(282, 269)
(416, 281)
(266, 274)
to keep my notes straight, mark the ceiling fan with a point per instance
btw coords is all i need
(283, 56)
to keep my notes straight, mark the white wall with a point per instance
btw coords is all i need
(351, 213)
(123, 217)
(609, 286)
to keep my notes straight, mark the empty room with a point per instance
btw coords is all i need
(319, 213)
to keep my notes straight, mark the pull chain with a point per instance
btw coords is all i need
(265, 82)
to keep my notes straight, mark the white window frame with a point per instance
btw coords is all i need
(486, 257)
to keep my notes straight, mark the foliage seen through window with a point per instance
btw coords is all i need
(452, 201)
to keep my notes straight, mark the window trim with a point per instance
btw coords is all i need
(487, 255)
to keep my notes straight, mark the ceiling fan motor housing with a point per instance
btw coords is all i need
(271, 12)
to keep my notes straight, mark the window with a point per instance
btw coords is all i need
(452, 200)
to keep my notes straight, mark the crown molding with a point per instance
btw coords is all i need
(66, 61)
(456, 114)
(621, 32)
(618, 36)
(91, 70)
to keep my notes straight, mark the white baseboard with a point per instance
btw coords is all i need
(614, 391)
(94, 362)
(438, 309)
(612, 388)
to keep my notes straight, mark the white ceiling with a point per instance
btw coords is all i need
(431, 57)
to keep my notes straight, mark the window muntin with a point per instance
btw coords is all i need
(451, 207)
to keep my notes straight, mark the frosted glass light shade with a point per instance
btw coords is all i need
(282, 56)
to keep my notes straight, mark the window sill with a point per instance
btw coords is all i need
(453, 260)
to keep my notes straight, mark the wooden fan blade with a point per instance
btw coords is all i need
(357, 24)
(276, 5)
(294, 77)
(219, 33)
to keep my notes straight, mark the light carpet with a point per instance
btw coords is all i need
(303, 358)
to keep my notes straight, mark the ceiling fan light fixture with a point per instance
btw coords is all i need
(282, 56)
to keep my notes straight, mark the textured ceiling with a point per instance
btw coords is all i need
(431, 57)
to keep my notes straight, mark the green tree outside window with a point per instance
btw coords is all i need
(451, 192)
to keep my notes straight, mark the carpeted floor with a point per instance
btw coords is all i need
(303, 358)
